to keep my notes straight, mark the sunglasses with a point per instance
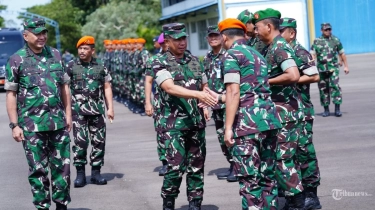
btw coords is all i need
(328, 29)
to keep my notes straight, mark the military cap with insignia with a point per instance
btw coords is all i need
(174, 30)
(265, 14)
(35, 25)
(213, 30)
(245, 16)
(325, 26)
(288, 23)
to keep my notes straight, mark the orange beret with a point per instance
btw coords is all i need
(86, 40)
(131, 41)
(141, 40)
(124, 41)
(231, 23)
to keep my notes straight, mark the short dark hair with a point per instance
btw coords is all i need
(273, 21)
(232, 32)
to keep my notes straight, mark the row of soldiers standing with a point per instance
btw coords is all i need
(126, 60)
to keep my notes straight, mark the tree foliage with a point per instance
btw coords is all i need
(87, 7)
(2, 20)
(124, 19)
(66, 15)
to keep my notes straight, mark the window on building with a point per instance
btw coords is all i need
(167, 3)
(193, 27)
(202, 30)
(213, 21)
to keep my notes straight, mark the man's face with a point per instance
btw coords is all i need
(156, 45)
(37, 41)
(177, 46)
(118, 46)
(139, 46)
(327, 32)
(288, 34)
(214, 40)
(85, 52)
(250, 33)
(262, 30)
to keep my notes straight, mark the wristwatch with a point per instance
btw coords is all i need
(12, 125)
(221, 98)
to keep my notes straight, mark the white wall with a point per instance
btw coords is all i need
(289, 8)
(185, 5)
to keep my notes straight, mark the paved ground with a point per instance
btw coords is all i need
(345, 148)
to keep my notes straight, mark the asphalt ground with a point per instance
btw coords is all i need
(345, 147)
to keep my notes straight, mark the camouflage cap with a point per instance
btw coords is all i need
(35, 25)
(325, 26)
(175, 30)
(245, 16)
(265, 14)
(288, 23)
(213, 30)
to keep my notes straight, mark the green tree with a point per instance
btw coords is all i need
(87, 7)
(124, 19)
(66, 15)
(2, 21)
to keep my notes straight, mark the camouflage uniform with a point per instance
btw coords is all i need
(255, 127)
(181, 123)
(326, 51)
(306, 154)
(37, 80)
(140, 87)
(129, 75)
(214, 69)
(123, 75)
(87, 87)
(280, 56)
(161, 148)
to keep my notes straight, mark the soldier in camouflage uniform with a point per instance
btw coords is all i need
(213, 67)
(325, 49)
(283, 75)
(37, 92)
(306, 154)
(251, 122)
(154, 108)
(180, 77)
(91, 89)
(123, 74)
(246, 18)
(131, 80)
(116, 69)
(140, 76)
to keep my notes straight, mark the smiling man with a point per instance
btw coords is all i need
(37, 94)
(91, 91)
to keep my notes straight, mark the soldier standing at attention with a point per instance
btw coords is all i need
(306, 154)
(325, 49)
(140, 87)
(246, 18)
(180, 78)
(283, 74)
(91, 88)
(153, 109)
(213, 67)
(251, 123)
(37, 94)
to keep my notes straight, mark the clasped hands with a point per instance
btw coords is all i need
(208, 98)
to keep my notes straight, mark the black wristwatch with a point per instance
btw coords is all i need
(13, 125)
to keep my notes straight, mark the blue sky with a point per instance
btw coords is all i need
(15, 6)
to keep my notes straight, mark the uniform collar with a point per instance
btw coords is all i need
(185, 59)
(211, 53)
(30, 52)
(92, 62)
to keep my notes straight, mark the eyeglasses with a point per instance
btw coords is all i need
(328, 29)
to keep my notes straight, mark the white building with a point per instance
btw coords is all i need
(198, 14)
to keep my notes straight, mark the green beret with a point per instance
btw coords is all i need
(245, 16)
(288, 23)
(265, 14)
(175, 30)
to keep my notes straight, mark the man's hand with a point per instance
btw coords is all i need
(69, 123)
(110, 114)
(206, 114)
(346, 70)
(149, 109)
(205, 97)
(228, 137)
(17, 133)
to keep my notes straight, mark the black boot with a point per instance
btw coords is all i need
(337, 110)
(312, 200)
(168, 203)
(326, 111)
(224, 175)
(96, 178)
(163, 169)
(297, 202)
(195, 204)
(81, 177)
(231, 176)
(60, 206)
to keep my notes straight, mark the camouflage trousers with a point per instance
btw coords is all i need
(218, 116)
(186, 152)
(141, 89)
(85, 128)
(306, 156)
(288, 172)
(329, 86)
(128, 85)
(161, 148)
(254, 164)
(123, 85)
(133, 83)
(44, 151)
